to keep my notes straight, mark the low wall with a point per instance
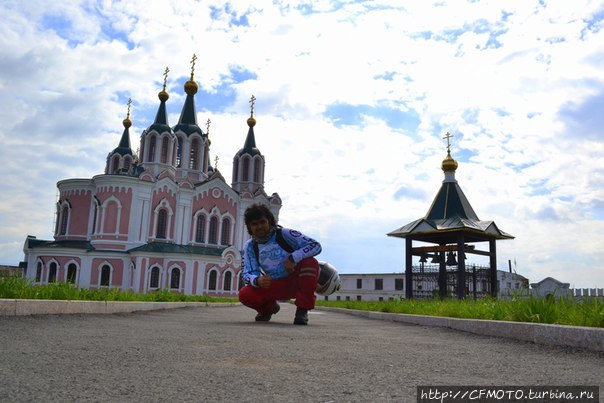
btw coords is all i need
(588, 338)
(19, 307)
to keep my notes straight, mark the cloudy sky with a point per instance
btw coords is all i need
(353, 101)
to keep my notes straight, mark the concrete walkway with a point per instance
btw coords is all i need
(587, 338)
(219, 354)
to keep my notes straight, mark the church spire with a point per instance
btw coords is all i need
(160, 124)
(450, 200)
(449, 165)
(188, 117)
(124, 147)
(248, 163)
(119, 161)
(250, 142)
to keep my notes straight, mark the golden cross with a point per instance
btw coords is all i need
(208, 126)
(166, 76)
(252, 100)
(129, 103)
(448, 137)
(193, 65)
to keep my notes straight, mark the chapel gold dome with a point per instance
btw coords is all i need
(449, 164)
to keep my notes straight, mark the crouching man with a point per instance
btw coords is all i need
(278, 264)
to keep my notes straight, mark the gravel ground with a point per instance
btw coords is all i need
(219, 354)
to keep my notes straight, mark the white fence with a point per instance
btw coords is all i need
(587, 292)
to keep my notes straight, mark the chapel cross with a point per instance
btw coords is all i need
(193, 65)
(129, 104)
(448, 137)
(252, 100)
(166, 76)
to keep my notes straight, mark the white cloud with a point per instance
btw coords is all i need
(516, 83)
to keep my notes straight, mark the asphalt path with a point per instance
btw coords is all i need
(219, 354)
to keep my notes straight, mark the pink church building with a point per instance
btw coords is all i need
(163, 219)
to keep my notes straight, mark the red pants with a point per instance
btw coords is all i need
(301, 285)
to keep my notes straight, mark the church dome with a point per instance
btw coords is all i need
(163, 95)
(191, 87)
(449, 165)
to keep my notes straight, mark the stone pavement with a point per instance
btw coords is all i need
(219, 354)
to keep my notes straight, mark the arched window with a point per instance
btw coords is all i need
(127, 163)
(94, 218)
(175, 279)
(143, 149)
(246, 169)
(257, 166)
(58, 220)
(52, 273)
(193, 158)
(105, 276)
(164, 151)
(151, 154)
(228, 278)
(226, 229)
(213, 230)
(206, 152)
(212, 283)
(111, 217)
(64, 219)
(39, 272)
(115, 164)
(154, 278)
(201, 228)
(72, 271)
(179, 153)
(162, 220)
(235, 170)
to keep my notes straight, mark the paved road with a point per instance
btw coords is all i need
(215, 354)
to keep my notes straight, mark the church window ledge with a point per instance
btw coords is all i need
(161, 240)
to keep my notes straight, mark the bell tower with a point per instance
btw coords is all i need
(248, 163)
(192, 150)
(158, 141)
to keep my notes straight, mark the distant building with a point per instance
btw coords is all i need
(162, 219)
(550, 287)
(391, 286)
(11, 271)
(511, 284)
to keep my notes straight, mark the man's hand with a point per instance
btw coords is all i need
(264, 281)
(290, 266)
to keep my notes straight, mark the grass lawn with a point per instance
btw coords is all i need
(561, 311)
(12, 287)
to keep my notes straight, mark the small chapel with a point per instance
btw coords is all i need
(452, 231)
(161, 218)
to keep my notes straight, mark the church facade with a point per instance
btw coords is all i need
(162, 219)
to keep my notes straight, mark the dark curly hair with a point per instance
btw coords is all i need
(257, 212)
